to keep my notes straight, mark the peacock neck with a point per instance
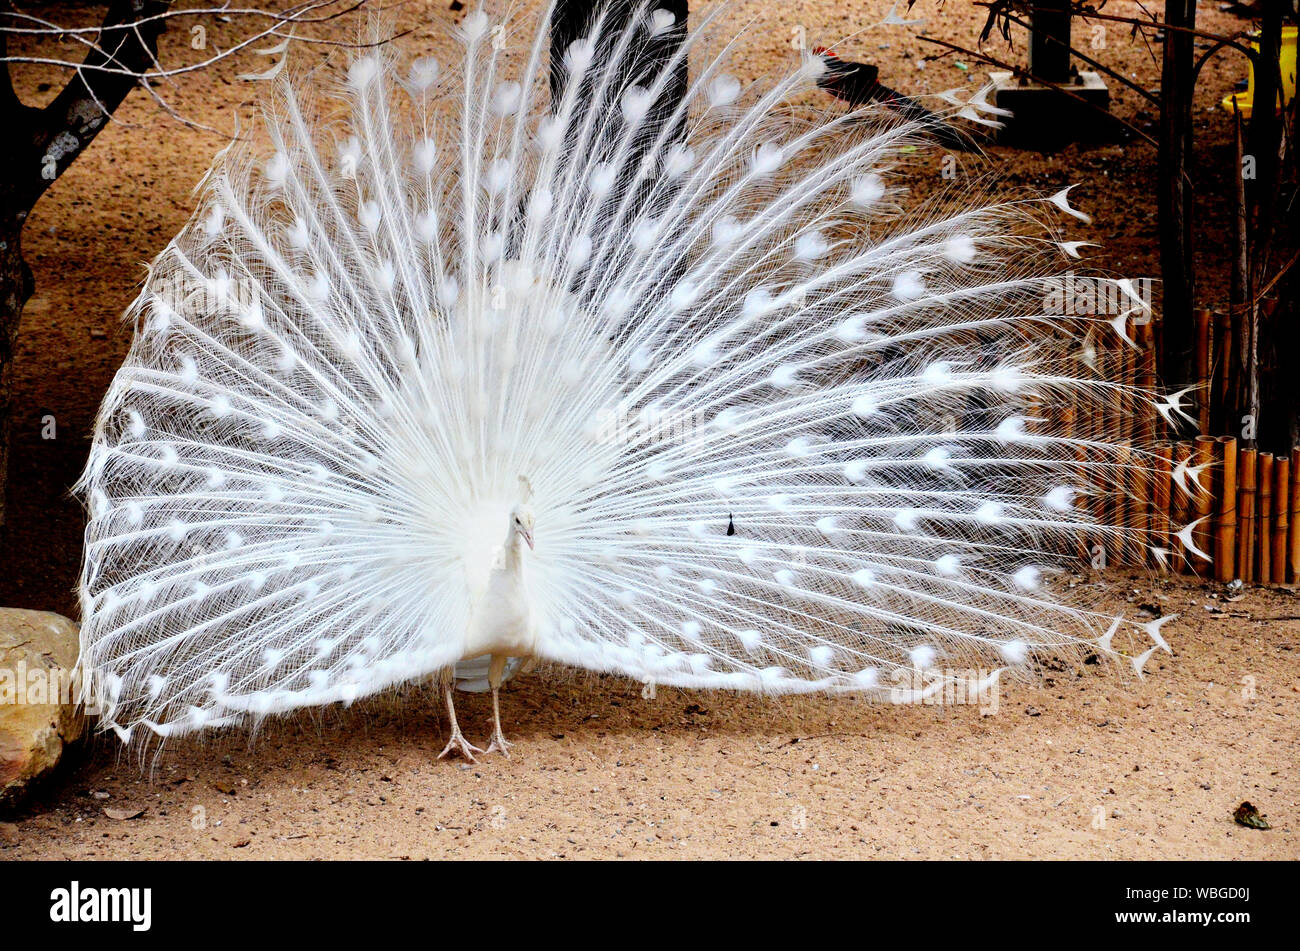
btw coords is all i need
(514, 551)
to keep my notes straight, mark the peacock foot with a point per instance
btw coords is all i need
(458, 744)
(499, 745)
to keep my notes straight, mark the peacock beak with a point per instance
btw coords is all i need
(528, 537)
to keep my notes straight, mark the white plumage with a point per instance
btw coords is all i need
(785, 430)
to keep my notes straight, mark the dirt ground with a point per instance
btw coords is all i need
(1089, 764)
(1093, 763)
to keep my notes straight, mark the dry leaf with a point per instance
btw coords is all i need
(1247, 815)
(122, 814)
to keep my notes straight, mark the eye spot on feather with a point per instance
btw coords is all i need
(1014, 652)
(601, 180)
(867, 190)
(507, 99)
(579, 56)
(767, 158)
(724, 90)
(579, 252)
(276, 170)
(369, 215)
(821, 655)
(1060, 499)
(423, 72)
(1027, 578)
(867, 678)
(135, 424)
(922, 656)
(363, 71)
(725, 231)
(959, 249)
(636, 102)
(906, 519)
(908, 286)
(810, 246)
(679, 160)
(550, 133)
(212, 224)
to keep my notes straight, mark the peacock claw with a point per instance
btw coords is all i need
(458, 744)
(499, 745)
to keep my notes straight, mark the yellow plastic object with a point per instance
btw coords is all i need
(1244, 100)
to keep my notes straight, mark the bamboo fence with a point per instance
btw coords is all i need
(1243, 505)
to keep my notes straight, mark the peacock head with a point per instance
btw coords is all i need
(522, 521)
(522, 518)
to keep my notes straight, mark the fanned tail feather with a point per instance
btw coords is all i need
(787, 430)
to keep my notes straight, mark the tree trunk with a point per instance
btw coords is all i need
(1240, 420)
(1175, 205)
(15, 287)
(41, 144)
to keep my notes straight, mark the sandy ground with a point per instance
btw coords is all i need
(1090, 764)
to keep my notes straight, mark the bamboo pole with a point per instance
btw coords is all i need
(1203, 503)
(1146, 378)
(1247, 460)
(1293, 543)
(1225, 514)
(1068, 431)
(1222, 359)
(1140, 511)
(1082, 456)
(1164, 452)
(1132, 360)
(1123, 499)
(1281, 500)
(1264, 518)
(1181, 501)
(1201, 316)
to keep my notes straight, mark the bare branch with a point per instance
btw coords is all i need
(109, 66)
(297, 14)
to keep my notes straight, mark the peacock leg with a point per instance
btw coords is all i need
(496, 670)
(457, 743)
